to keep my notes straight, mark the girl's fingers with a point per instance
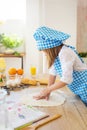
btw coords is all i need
(38, 97)
(47, 97)
(44, 94)
(41, 97)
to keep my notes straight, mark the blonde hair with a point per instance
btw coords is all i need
(51, 54)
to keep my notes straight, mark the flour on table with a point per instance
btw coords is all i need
(54, 100)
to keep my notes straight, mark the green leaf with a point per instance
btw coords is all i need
(10, 41)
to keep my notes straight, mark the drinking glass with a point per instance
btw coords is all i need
(33, 71)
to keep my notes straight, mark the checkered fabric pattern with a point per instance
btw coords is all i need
(49, 38)
(79, 84)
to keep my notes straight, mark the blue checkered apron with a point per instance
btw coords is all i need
(79, 84)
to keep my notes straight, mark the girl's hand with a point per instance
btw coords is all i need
(44, 94)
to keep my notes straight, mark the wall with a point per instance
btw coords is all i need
(58, 14)
(61, 15)
(82, 25)
(32, 54)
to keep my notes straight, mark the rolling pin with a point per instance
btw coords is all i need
(45, 121)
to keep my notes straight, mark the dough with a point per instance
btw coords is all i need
(54, 100)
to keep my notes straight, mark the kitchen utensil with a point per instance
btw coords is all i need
(39, 124)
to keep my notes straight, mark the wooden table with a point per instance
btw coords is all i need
(14, 56)
(73, 111)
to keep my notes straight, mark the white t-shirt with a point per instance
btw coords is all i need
(69, 62)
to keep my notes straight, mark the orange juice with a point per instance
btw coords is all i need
(2, 65)
(33, 70)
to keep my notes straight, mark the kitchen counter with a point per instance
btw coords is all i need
(73, 111)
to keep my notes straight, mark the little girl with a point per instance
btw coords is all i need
(63, 60)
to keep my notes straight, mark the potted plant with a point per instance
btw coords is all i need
(10, 42)
(2, 48)
(84, 56)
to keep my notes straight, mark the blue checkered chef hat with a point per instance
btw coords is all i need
(49, 38)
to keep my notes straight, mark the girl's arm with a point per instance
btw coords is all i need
(51, 80)
(56, 85)
(52, 85)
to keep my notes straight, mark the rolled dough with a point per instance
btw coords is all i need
(54, 100)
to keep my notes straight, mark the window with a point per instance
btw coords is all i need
(12, 9)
